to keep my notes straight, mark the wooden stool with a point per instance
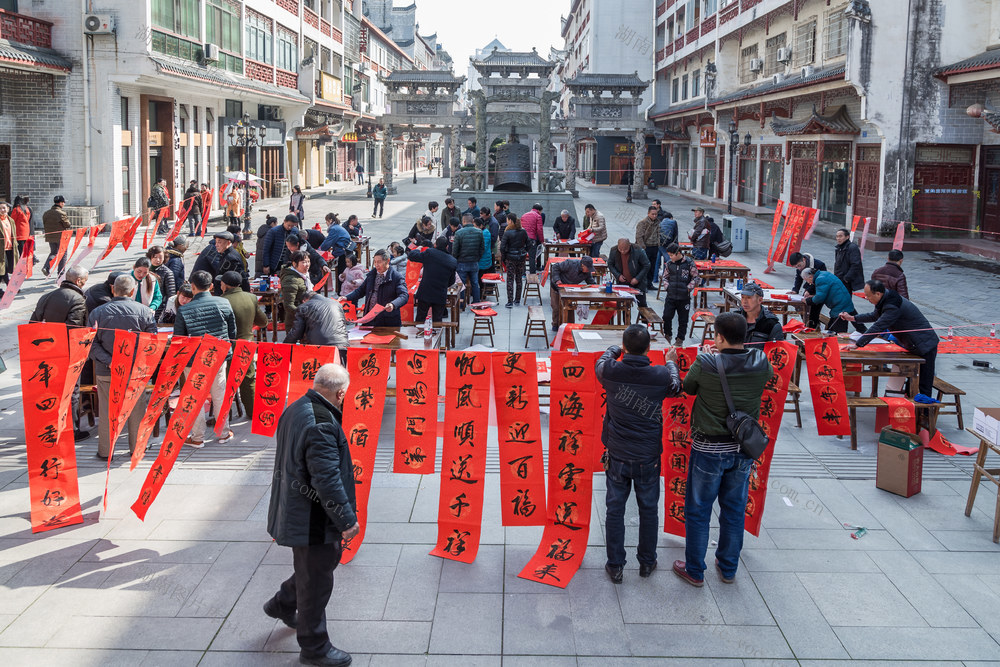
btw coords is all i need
(649, 317)
(491, 288)
(994, 476)
(707, 322)
(91, 411)
(534, 326)
(792, 400)
(532, 288)
(945, 389)
(482, 325)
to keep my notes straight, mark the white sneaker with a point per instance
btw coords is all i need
(226, 437)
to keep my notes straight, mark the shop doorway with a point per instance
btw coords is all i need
(989, 183)
(867, 175)
(943, 179)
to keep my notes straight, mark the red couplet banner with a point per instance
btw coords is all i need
(306, 360)
(174, 361)
(412, 279)
(463, 456)
(119, 230)
(77, 238)
(599, 409)
(772, 407)
(774, 232)
(363, 408)
(899, 413)
(567, 525)
(21, 272)
(182, 214)
(416, 412)
(208, 362)
(63, 247)
(274, 364)
(239, 366)
(826, 385)
(522, 470)
(121, 372)
(676, 445)
(52, 477)
(786, 234)
(802, 229)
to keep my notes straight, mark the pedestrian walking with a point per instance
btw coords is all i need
(55, 222)
(847, 262)
(296, 202)
(379, 193)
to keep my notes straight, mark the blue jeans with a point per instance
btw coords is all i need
(699, 253)
(710, 476)
(468, 272)
(645, 477)
(595, 248)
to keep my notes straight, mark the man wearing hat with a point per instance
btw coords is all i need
(762, 325)
(55, 221)
(229, 260)
(700, 235)
(568, 272)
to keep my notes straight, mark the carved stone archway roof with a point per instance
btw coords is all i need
(588, 80)
(421, 76)
(839, 122)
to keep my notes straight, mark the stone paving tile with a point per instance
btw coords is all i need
(950, 562)
(855, 599)
(978, 597)
(404, 637)
(836, 539)
(806, 560)
(919, 643)
(467, 623)
(230, 531)
(642, 600)
(222, 585)
(740, 603)
(540, 661)
(360, 592)
(972, 539)
(415, 586)
(839, 502)
(713, 641)
(933, 601)
(263, 658)
(164, 551)
(801, 622)
(587, 661)
(135, 632)
(485, 575)
(56, 657)
(246, 627)
(899, 523)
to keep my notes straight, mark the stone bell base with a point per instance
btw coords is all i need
(521, 202)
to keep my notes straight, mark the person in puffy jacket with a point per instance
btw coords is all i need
(437, 275)
(534, 224)
(274, 251)
(632, 435)
(384, 287)
(295, 285)
(595, 222)
(831, 292)
(319, 321)
(467, 247)
(513, 252)
(891, 274)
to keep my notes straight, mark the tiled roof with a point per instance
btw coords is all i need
(790, 83)
(985, 60)
(677, 108)
(514, 59)
(23, 54)
(839, 122)
(609, 80)
(421, 75)
(189, 70)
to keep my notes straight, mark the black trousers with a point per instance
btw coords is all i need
(53, 251)
(680, 308)
(532, 249)
(379, 207)
(438, 312)
(653, 253)
(927, 372)
(308, 591)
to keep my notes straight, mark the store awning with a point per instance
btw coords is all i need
(839, 122)
(188, 70)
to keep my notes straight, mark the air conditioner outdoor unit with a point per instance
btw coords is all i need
(784, 55)
(211, 53)
(98, 24)
(777, 78)
(808, 70)
(756, 64)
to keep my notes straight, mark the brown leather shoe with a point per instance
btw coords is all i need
(724, 578)
(680, 569)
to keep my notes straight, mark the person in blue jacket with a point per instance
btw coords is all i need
(831, 292)
(273, 249)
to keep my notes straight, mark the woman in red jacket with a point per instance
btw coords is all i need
(22, 221)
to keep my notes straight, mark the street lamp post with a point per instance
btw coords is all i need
(413, 142)
(370, 146)
(245, 135)
(735, 149)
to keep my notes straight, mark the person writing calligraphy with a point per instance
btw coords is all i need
(630, 266)
(633, 438)
(567, 272)
(122, 312)
(313, 509)
(385, 287)
(828, 290)
(247, 312)
(319, 321)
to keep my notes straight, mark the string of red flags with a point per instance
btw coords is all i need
(274, 363)
(182, 213)
(64, 238)
(208, 362)
(567, 524)
(779, 207)
(239, 367)
(306, 361)
(416, 412)
(826, 385)
(463, 456)
(362, 413)
(522, 471)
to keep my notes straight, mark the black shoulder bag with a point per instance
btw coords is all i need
(745, 429)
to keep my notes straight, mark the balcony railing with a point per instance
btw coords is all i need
(661, 54)
(679, 43)
(259, 71)
(25, 29)
(729, 13)
(660, 8)
(708, 25)
(338, 35)
(324, 27)
(693, 34)
(311, 17)
(747, 4)
(286, 79)
(668, 50)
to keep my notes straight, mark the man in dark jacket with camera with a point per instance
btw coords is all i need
(312, 510)
(633, 437)
(438, 275)
(716, 468)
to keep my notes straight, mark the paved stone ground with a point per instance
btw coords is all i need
(185, 587)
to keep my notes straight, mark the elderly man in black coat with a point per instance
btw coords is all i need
(385, 287)
(847, 262)
(438, 275)
(313, 509)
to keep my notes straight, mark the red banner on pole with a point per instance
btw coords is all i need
(239, 366)
(182, 214)
(782, 356)
(522, 470)
(416, 412)
(274, 364)
(567, 525)
(208, 362)
(897, 242)
(21, 272)
(864, 237)
(174, 362)
(51, 455)
(130, 233)
(363, 408)
(306, 360)
(463, 456)
(775, 222)
(826, 385)
(77, 238)
(676, 445)
(801, 229)
(206, 209)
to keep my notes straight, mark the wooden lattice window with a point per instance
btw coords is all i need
(804, 49)
(747, 56)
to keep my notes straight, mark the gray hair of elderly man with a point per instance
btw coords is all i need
(806, 272)
(564, 212)
(124, 285)
(74, 273)
(330, 379)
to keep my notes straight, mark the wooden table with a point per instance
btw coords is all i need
(586, 342)
(363, 242)
(600, 268)
(784, 307)
(453, 303)
(875, 362)
(993, 474)
(723, 269)
(269, 301)
(571, 295)
(574, 248)
(415, 339)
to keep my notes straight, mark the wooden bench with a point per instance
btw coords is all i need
(946, 389)
(855, 402)
(701, 297)
(534, 326)
(532, 288)
(792, 401)
(649, 317)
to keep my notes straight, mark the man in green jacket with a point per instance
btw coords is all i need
(248, 314)
(54, 222)
(716, 468)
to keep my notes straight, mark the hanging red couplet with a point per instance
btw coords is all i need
(676, 446)
(21, 272)
(174, 361)
(77, 238)
(416, 411)
(119, 229)
(51, 455)
(801, 229)
(826, 384)
(363, 408)
(567, 525)
(412, 279)
(782, 355)
(63, 247)
(463, 456)
(522, 470)
(239, 366)
(274, 364)
(80, 339)
(306, 360)
(208, 362)
(775, 222)
(121, 371)
(182, 214)
(599, 410)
